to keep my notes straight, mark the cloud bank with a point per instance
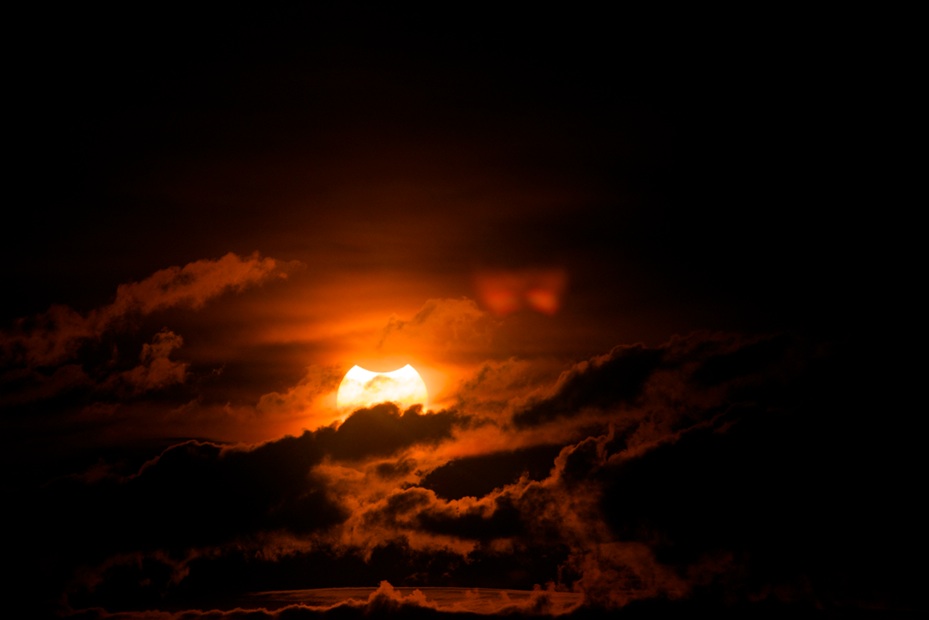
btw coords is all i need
(712, 469)
(55, 336)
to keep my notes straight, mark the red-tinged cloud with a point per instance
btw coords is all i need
(311, 401)
(650, 394)
(448, 328)
(209, 492)
(602, 383)
(382, 430)
(156, 369)
(201, 503)
(498, 388)
(56, 335)
(86, 360)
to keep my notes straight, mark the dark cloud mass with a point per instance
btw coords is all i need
(381, 431)
(479, 475)
(616, 379)
(669, 367)
(755, 490)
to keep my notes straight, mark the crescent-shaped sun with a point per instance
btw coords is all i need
(363, 388)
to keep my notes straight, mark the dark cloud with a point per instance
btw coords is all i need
(156, 369)
(756, 487)
(723, 366)
(201, 495)
(772, 500)
(741, 476)
(615, 379)
(479, 475)
(383, 430)
(192, 495)
(501, 520)
(56, 335)
(207, 493)
(416, 509)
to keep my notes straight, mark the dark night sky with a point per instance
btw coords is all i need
(715, 162)
(213, 214)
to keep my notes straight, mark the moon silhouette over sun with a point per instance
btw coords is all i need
(363, 388)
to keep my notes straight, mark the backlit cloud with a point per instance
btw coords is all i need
(452, 329)
(56, 335)
(156, 369)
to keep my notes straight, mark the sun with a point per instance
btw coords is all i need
(363, 388)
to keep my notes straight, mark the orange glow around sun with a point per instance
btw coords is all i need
(363, 388)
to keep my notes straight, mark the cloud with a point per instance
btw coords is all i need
(713, 467)
(311, 401)
(28, 385)
(423, 520)
(479, 475)
(382, 430)
(156, 369)
(193, 284)
(56, 336)
(63, 364)
(649, 394)
(608, 381)
(497, 388)
(714, 464)
(197, 496)
(453, 329)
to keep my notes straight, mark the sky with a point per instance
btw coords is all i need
(664, 359)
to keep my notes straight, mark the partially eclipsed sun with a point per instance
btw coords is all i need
(363, 388)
